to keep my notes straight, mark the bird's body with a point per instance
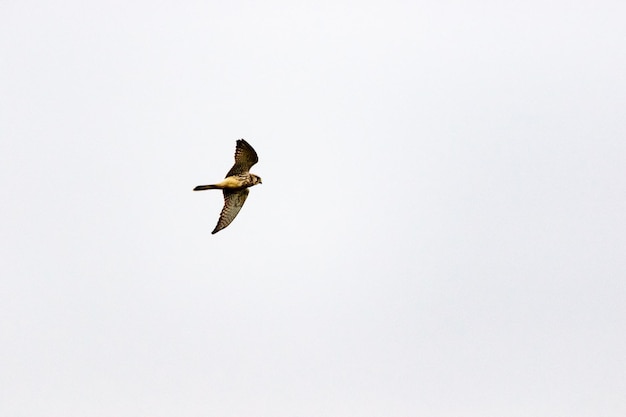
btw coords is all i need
(234, 182)
(235, 185)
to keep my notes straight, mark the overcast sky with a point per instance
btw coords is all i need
(440, 231)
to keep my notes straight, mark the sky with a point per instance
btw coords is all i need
(440, 230)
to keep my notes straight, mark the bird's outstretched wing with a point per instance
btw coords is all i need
(233, 201)
(245, 157)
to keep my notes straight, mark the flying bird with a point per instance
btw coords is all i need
(235, 185)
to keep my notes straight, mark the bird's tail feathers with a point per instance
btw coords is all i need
(206, 187)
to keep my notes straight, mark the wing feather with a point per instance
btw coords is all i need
(233, 201)
(245, 157)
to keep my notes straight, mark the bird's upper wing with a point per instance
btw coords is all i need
(245, 157)
(233, 201)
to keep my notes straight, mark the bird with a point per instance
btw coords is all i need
(236, 184)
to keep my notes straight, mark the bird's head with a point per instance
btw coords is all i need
(256, 179)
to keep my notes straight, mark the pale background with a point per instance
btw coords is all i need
(440, 232)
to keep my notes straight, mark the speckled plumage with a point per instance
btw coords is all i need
(236, 183)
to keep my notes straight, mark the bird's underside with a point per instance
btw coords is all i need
(236, 184)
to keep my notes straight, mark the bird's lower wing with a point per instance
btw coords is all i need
(233, 201)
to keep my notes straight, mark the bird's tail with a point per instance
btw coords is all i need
(206, 187)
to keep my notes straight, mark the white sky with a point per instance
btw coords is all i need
(440, 230)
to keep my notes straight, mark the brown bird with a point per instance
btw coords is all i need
(235, 185)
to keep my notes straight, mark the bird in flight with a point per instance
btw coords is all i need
(235, 185)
